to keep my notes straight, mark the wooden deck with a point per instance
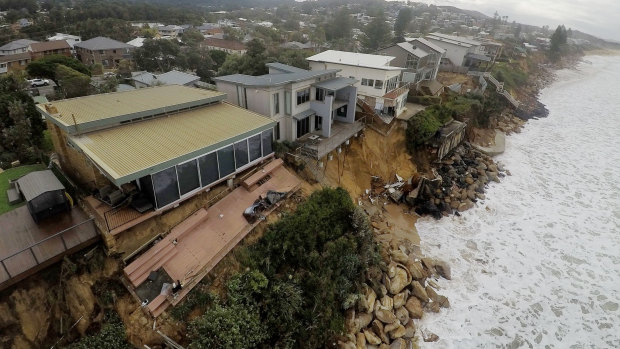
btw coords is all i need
(196, 245)
(117, 220)
(341, 132)
(19, 232)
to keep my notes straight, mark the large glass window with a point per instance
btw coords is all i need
(287, 102)
(276, 103)
(146, 187)
(303, 126)
(303, 96)
(267, 136)
(166, 187)
(188, 176)
(226, 160)
(320, 94)
(208, 169)
(255, 147)
(378, 84)
(241, 153)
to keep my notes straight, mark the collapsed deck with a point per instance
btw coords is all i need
(196, 245)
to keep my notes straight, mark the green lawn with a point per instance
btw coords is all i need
(11, 174)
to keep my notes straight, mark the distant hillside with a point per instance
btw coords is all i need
(473, 14)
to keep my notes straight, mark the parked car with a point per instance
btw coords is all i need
(38, 82)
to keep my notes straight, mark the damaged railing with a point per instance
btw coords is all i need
(30, 248)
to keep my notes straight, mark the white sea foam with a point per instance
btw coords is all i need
(538, 263)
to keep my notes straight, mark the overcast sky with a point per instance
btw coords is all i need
(597, 17)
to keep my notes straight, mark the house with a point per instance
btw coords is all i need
(24, 22)
(44, 194)
(170, 30)
(460, 51)
(137, 42)
(304, 104)
(155, 147)
(174, 77)
(379, 88)
(227, 46)
(47, 48)
(105, 51)
(70, 39)
(17, 46)
(296, 45)
(14, 62)
(419, 57)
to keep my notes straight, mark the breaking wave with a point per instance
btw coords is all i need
(537, 264)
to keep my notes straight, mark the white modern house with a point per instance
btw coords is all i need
(460, 51)
(379, 87)
(315, 108)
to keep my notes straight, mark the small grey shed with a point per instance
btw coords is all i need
(44, 194)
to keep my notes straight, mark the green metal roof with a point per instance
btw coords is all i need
(84, 114)
(131, 151)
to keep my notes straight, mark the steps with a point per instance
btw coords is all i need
(251, 182)
(138, 271)
(145, 266)
(158, 305)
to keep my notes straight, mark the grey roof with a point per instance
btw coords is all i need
(297, 45)
(102, 43)
(430, 45)
(285, 68)
(175, 77)
(416, 51)
(144, 77)
(479, 57)
(336, 83)
(14, 45)
(274, 79)
(304, 114)
(39, 182)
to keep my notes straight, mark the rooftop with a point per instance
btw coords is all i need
(455, 40)
(354, 58)
(430, 45)
(15, 57)
(13, 45)
(97, 111)
(130, 151)
(49, 45)
(37, 183)
(409, 47)
(102, 43)
(231, 45)
(293, 75)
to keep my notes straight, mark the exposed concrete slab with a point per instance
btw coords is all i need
(498, 148)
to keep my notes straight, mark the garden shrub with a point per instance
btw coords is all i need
(300, 277)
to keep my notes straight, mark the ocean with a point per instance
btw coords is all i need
(537, 264)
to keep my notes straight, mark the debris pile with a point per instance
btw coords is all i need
(455, 186)
(394, 297)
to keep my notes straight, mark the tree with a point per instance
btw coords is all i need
(192, 38)
(376, 34)
(72, 82)
(17, 136)
(402, 21)
(218, 57)
(46, 67)
(558, 41)
(21, 126)
(340, 27)
(156, 55)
